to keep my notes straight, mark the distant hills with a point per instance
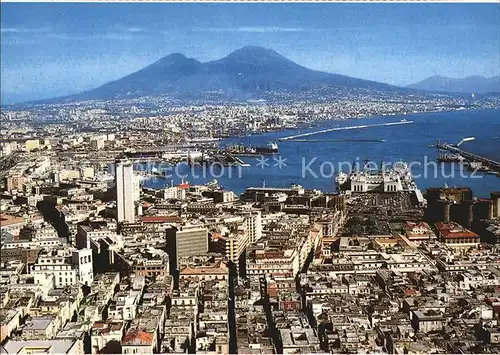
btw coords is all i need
(245, 73)
(470, 84)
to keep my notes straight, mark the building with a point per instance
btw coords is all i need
(82, 259)
(11, 224)
(456, 236)
(125, 202)
(301, 340)
(203, 268)
(139, 342)
(106, 334)
(385, 180)
(233, 244)
(428, 320)
(87, 172)
(444, 204)
(185, 241)
(32, 144)
(15, 182)
(69, 266)
(97, 143)
(254, 225)
(174, 192)
(418, 232)
(55, 346)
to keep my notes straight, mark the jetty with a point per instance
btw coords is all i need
(300, 140)
(398, 123)
(490, 163)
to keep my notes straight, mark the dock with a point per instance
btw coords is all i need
(345, 129)
(471, 157)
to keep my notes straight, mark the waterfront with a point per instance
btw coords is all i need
(407, 142)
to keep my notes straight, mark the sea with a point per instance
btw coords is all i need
(315, 163)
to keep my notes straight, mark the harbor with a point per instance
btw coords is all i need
(402, 143)
(475, 162)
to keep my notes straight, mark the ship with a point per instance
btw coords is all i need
(448, 158)
(239, 149)
(271, 148)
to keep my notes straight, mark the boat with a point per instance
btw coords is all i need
(448, 158)
(239, 149)
(270, 148)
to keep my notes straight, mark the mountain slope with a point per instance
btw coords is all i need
(470, 84)
(245, 73)
(156, 78)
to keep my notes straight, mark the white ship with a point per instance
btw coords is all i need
(174, 155)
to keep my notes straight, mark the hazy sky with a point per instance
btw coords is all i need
(51, 49)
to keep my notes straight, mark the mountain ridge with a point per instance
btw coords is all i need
(244, 73)
(469, 84)
(250, 72)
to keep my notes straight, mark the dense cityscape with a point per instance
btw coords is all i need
(94, 262)
(249, 178)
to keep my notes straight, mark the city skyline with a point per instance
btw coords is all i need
(77, 47)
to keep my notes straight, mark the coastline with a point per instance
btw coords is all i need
(408, 144)
(342, 119)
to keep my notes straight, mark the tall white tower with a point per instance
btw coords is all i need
(125, 197)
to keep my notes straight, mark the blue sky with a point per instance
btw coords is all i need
(52, 49)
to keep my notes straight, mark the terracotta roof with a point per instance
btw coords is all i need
(454, 230)
(7, 220)
(410, 292)
(411, 225)
(138, 337)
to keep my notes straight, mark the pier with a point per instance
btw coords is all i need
(492, 164)
(344, 129)
(299, 140)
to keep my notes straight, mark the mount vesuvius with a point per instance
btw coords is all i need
(245, 73)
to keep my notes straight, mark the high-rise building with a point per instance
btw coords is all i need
(234, 243)
(97, 143)
(254, 225)
(125, 197)
(186, 241)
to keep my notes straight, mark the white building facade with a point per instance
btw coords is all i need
(125, 196)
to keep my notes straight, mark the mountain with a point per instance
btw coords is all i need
(156, 78)
(470, 84)
(245, 73)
